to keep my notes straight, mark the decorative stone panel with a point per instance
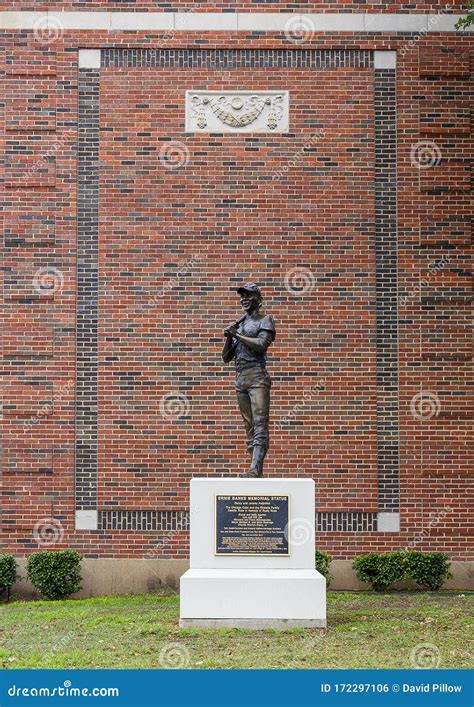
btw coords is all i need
(237, 111)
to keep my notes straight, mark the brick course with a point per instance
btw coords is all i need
(230, 7)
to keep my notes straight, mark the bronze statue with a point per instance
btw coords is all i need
(247, 342)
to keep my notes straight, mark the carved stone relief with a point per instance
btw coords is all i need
(237, 111)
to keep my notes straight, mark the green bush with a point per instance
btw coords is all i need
(380, 570)
(56, 573)
(428, 569)
(8, 575)
(323, 561)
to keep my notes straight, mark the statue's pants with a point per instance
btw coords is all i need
(253, 395)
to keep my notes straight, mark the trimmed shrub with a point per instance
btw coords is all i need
(8, 574)
(323, 561)
(56, 573)
(380, 570)
(429, 570)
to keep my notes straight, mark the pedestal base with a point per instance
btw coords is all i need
(253, 624)
(254, 599)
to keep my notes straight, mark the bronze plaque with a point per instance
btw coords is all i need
(252, 525)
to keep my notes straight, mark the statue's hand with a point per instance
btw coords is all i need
(230, 331)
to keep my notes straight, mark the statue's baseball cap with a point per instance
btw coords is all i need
(249, 287)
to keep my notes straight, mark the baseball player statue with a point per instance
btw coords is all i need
(246, 343)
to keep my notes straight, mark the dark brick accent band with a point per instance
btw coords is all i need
(238, 58)
(386, 270)
(143, 520)
(348, 522)
(386, 289)
(87, 290)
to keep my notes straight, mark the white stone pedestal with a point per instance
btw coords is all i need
(256, 591)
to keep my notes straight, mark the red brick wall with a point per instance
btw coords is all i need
(153, 221)
(225, 208)
(230, 6)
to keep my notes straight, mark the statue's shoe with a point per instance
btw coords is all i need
(251, 474)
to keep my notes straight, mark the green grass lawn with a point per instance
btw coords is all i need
(400, 630)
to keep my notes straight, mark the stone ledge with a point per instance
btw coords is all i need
(102, 577)
(229, 22)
